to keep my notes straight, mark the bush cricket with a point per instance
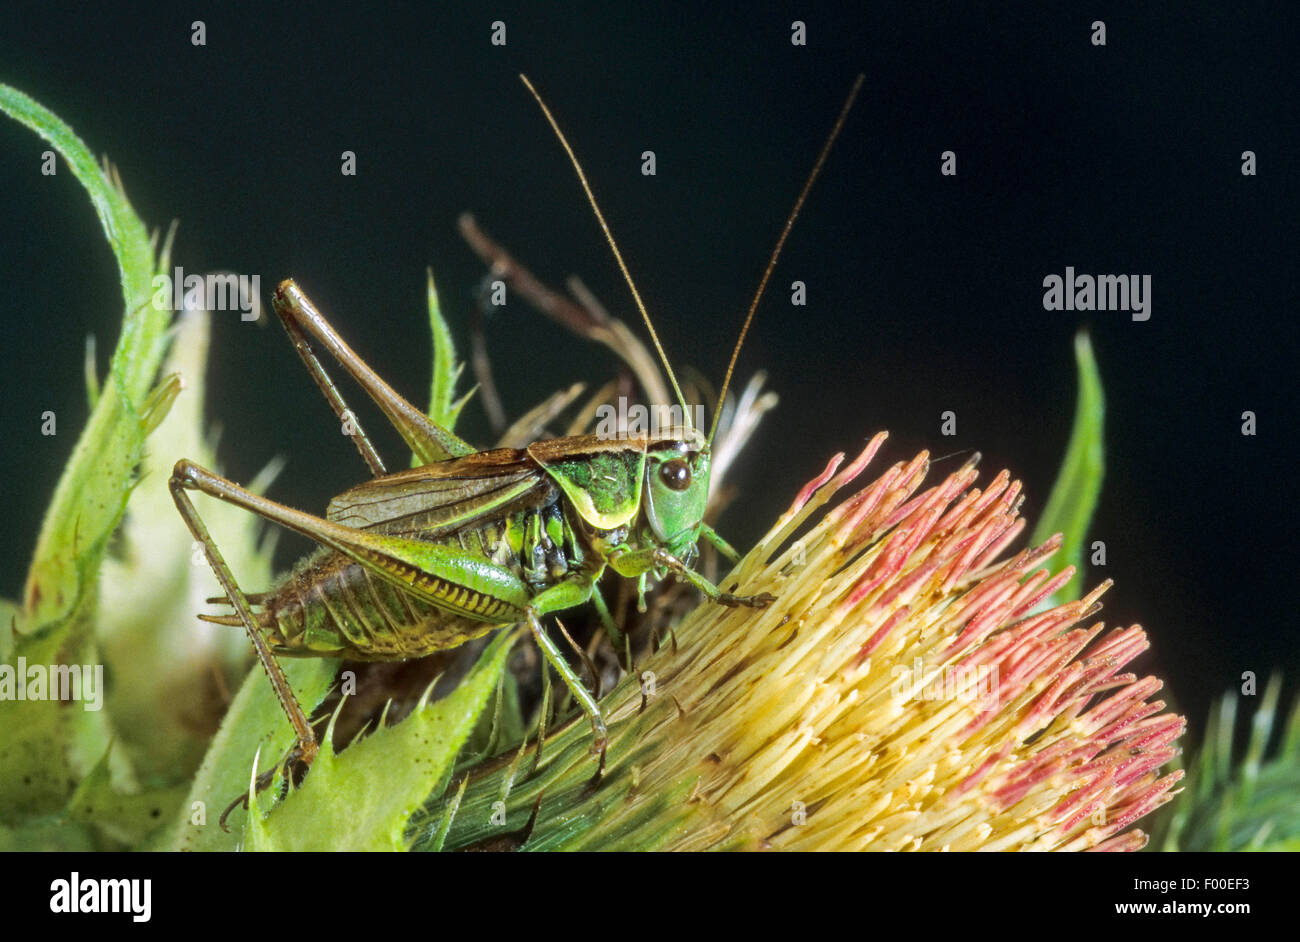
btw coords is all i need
(423, 560)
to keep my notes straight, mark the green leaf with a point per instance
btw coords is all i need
(1239, 796)
(168, 667)
(255, 725)
(443, 407)
(37, 735)
(51, 833)
(438, 839)
(123, 819)
(10, 613)
(92, 492)
(47, 746)
(364, 797)
(1074, 495)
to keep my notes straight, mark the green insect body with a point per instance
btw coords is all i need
(426, 559)
(502, 526)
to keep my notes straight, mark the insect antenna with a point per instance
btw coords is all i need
(609, 237)
(780, 243)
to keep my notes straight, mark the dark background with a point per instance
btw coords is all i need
(924, 291)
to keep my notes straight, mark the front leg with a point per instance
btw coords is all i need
(637, 562)
(570, 593)
(722, 546)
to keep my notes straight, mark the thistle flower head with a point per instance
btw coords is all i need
(906, 691)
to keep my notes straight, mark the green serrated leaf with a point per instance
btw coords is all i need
(364, 797)
(255, 725)
(91, 494)
(1074, 495)
(170, 668)
(443, 406)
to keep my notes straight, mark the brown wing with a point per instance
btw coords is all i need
(578, 446)
(445, 496)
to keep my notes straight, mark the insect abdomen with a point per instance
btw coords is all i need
(334, 606)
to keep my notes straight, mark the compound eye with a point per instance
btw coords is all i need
(676, 474)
